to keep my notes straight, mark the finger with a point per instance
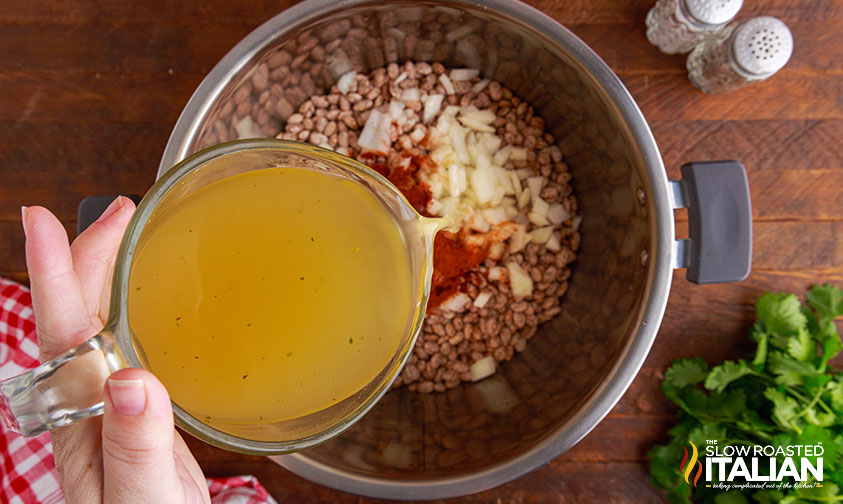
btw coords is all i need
(94, 252)
(61, 316)
(137, 441)
(193, 480)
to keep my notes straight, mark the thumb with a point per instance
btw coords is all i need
(137, 440)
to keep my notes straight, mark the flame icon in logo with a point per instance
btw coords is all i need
(688, 465)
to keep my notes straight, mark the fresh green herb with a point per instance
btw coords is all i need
(301, 278)
(350, 341)
(245, 376)
(784, 393)
(289, 354)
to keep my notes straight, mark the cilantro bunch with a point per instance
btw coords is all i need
(786, 393)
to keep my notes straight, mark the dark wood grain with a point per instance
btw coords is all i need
(89, 91)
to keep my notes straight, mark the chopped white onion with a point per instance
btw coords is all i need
(553, 243)
(518, 154)
(480, 86)
(461, 74)
(496, 250)
(541, 235)
(497, 273)
(482, 298)
(345, 82)
(521, 285)
(375, 134)
(483, 368)
(474, 124)
(411, 94)
(524, 199)
(518, 240)
(432, 106)
(557, 214)
(535, 185)
(495, 215)
(396, 108)
(400, 78)
(476, 222)
(456, 303)
(576, 223)
(446, 83)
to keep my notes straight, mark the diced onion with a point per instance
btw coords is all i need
(345, 81)
(497, 273)
(456, 303)
(446, 83)
(461, 74)
(483, 368)
(482, 298)
(541, 235)
(518, 154)
(553, 243)
(375, 134)
(411, 94)
(474, 124)
(480, 86)
(400, 78)
(557, 214)
(521, 285)
(432, 106)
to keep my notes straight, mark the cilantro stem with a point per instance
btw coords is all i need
(812, 403)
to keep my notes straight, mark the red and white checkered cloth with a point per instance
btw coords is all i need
(28, 471)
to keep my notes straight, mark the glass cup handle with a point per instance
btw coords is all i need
(61, 391)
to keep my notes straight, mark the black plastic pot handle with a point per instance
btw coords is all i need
(720, 221)
(93, 206)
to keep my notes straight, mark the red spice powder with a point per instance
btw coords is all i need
(453, 259)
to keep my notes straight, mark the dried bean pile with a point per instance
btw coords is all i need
(451, 341)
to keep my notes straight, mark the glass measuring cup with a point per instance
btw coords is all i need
(70, 387)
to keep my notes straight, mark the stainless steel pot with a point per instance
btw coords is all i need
(575, 370)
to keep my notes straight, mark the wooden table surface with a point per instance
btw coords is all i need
(89, 91)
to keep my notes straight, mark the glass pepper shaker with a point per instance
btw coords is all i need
(740, 55)
(677, 26)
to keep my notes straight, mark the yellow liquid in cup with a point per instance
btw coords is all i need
(269, 295)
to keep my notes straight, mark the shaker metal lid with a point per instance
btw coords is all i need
(713, 12)
(762, 45)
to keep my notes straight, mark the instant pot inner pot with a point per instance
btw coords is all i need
(533, 396)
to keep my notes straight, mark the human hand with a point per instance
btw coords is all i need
(132, 453)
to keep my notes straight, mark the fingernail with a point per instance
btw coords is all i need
(23, 218)
(127, 396)
(113, 207)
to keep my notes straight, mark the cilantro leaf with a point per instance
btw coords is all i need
(826, 300)
(684, 372)
(801, 347)
(780, 313)
(788, 370)
(726, 373)
(784, 407)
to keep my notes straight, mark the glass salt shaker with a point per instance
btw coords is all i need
(677, 26)
(740, 55)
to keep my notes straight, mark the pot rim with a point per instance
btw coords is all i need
(660, 265)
